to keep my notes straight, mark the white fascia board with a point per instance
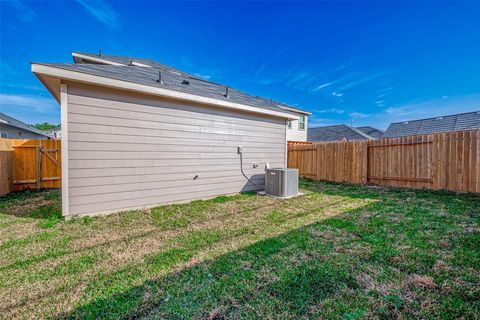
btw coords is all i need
(295, 110)
(131, 86)
(95, 59)
(64, 149)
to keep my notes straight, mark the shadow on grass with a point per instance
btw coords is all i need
(307, 272)
(271, 273)
(42, 205)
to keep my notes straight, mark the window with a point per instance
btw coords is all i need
(289, 125)
(301, 123)
(3, 135)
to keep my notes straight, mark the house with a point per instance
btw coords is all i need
(339, 132)
(455, 122)
(372, 132)
(137, 133)
(296, 129)
(12, 128)
(56, 132)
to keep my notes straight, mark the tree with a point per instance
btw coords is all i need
(44, 126)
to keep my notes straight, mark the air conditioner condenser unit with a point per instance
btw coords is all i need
(281, 182)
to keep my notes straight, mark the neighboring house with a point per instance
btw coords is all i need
(137, 133)
(337, 133)
(372, 132)
(12, 128)
(297, 129)
(56, 132)
(455, 122)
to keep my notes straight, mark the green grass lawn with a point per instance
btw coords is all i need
(339, 251)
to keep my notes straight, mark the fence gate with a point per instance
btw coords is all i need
(36, 164)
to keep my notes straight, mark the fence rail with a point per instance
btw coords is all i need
(449, 161)
(29, 164)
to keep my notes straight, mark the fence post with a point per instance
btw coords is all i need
(39, 166)
(364, 145)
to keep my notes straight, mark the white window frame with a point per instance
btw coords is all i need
(301, 120)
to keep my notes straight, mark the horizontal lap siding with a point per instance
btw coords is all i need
(295, 134)
(127, 150)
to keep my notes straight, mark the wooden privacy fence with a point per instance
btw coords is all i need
(449, 161)
(29, 164)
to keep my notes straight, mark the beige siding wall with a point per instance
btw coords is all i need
(127, 150)
(295, 134)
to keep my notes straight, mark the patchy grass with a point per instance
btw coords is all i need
(339, 251)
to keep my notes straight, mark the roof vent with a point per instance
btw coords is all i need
(438, 118)
(405, 122)
(160, 80)
(227, 95)
(185, 82)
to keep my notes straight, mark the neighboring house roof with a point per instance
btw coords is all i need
(455, 122)
(146, 72)
(336, 133)
(7, 120)
(371, 131)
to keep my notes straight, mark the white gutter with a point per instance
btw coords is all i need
(60, 73)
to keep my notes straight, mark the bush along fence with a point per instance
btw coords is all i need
(449, 161)
(29, 164)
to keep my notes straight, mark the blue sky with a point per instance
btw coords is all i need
(362, 63)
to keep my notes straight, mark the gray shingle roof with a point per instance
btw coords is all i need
(172, 79)
(4, 119)
(371, 131)
(455, 122)
(336, 133)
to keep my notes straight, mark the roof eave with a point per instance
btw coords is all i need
(64, 74)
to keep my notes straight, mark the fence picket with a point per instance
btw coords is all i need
(448, 161)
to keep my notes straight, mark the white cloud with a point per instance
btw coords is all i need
(323, 85)
(37, 103)
(203, 76)
(424, 109)
(358, 115)
(30, 108)
(337, 94)
(24, 13)
(102, 12)
(297, 78)
(332, 110)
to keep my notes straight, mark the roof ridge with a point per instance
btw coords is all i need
(448, 115)
(158, 65)
(456, 121)
(360, 132)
